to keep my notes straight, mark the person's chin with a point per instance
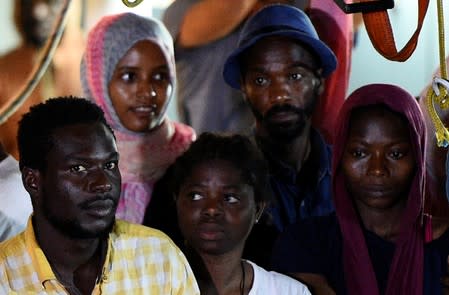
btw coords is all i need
(98, 230)
(94, 228)
(285, 132)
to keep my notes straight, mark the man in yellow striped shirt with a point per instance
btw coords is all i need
(72, 243)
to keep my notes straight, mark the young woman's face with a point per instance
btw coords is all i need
(139, 87)
(378, 162)
(216, 209)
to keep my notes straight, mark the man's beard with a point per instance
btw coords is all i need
(285, 132)
(72, 227)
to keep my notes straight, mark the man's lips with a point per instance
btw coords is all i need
(100, 208)
(282, 116)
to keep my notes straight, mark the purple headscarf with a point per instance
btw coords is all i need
(406, 270)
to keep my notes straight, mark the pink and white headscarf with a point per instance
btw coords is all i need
(144, 156)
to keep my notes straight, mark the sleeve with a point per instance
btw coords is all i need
(174, 16)
(302, 248)
(186, 283)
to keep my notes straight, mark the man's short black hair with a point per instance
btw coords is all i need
(35, 134)
(237, 150)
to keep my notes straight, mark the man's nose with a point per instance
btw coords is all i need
(279, 91)
(100, 182)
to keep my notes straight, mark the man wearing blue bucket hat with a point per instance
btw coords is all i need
(280, 65)
(205, 31)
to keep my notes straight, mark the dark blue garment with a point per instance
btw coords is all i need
(305, 194)
(315, 246)
(297, 195)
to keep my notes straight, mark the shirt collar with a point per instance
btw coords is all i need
(43, 267)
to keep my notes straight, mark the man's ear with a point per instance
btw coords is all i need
(320, 86)
(31, 180)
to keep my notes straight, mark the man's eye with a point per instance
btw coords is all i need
(358, 153)
(232, 198)
(296, 76)
(77, 168)
(110, 165)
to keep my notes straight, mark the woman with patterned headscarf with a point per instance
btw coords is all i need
(128, 69)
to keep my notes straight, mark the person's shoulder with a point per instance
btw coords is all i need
(9, 227)
(127, 229)
(184, 130)
(315, 234)
(440, 237)
(267, 282)
(183, 135)
(13, 246)
(140, 235)
(319, 224)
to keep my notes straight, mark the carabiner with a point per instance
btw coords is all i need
(132, 3)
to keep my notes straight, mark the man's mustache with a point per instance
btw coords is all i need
(284, 108)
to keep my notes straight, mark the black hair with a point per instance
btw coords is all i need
(238, 150)
(35, 134)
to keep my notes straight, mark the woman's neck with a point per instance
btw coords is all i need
(221, 274)
(386, 223)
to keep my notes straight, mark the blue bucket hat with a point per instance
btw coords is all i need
(278, 20)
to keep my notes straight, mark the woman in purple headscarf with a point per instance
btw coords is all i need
(380, 241)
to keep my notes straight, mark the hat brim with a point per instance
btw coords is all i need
(328, 61)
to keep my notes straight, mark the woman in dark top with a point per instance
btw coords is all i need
(380, 241)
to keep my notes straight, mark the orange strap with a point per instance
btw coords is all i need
(379, 31)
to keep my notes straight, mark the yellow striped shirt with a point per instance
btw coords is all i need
(139, 260)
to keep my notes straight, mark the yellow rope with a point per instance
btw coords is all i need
(438, 93)
(132, 3)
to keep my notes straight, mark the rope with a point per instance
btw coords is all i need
(17, 101)
(438, 93)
